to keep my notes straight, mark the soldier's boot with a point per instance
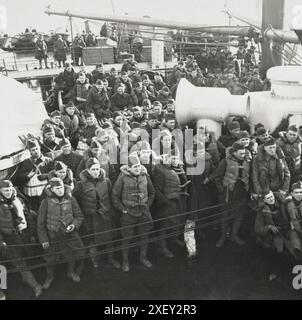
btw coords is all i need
(49, 277)
(29, 279)
(143, 256)
(235, 229)
(71, 274)
(113, 261)
(125, 255)
(163, 249)
(223, 235)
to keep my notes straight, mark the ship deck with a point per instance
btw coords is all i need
(37, 74)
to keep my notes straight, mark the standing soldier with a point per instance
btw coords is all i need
(78, 45)
(93, 192)
(132, 195)
(41, 51)
(59, 51)
(12, 227)
(167, 200)
(31, 176)
(232, 178)
(270, 170)
(80, 92)
(59, 218)
(290, 144)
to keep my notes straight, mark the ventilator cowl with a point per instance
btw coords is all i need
(286, 81)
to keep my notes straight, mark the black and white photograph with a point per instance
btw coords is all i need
(150, 152)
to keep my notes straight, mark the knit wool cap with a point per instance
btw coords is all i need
(243, 134)
(48, 129)
(91, 161)
(64, 142)
(152, 116)
(293, 128)
(89, 115)
(233, 125)
(171, 101)
(297, 185)
(237, 146)
(269, 142)
(169, 116)
(157, 103)
(59, 165)
(116, 114)
(56, 182)
(133, 159)
(55, 113)
(260, 131)
(5, 184)
(32, 143)
(69, 104)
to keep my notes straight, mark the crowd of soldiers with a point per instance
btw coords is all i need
(112, 158)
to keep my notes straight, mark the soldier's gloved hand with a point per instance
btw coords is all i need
(3, 248)
(70, 228)
(45, 245)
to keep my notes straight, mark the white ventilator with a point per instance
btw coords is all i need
(189, 238)
(211, 106)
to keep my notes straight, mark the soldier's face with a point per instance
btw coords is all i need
(90, 121)
(291, 136)
(120, 90)
(135, 169)
(58, 191)
(152, 123)
(70, 111)
(240, 154)
(100, 69)
(175, 161)
(94, 171)
(124, 77)
(61, 174)
(7, 192)
(96, 152)
(144, 156)
(245, 142)
(235, 132)
(269, 198)
(50, 136)
(167, 142)
(271, 150)
(114, 73)
(66, 149)
(171, 124)
(82, 79)
(35, 152)
(118, 120)
(157, 110)
(297, 194)
(56, 120)
(170, 107)
(157, 78)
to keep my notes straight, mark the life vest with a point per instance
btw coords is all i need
(232, 173)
